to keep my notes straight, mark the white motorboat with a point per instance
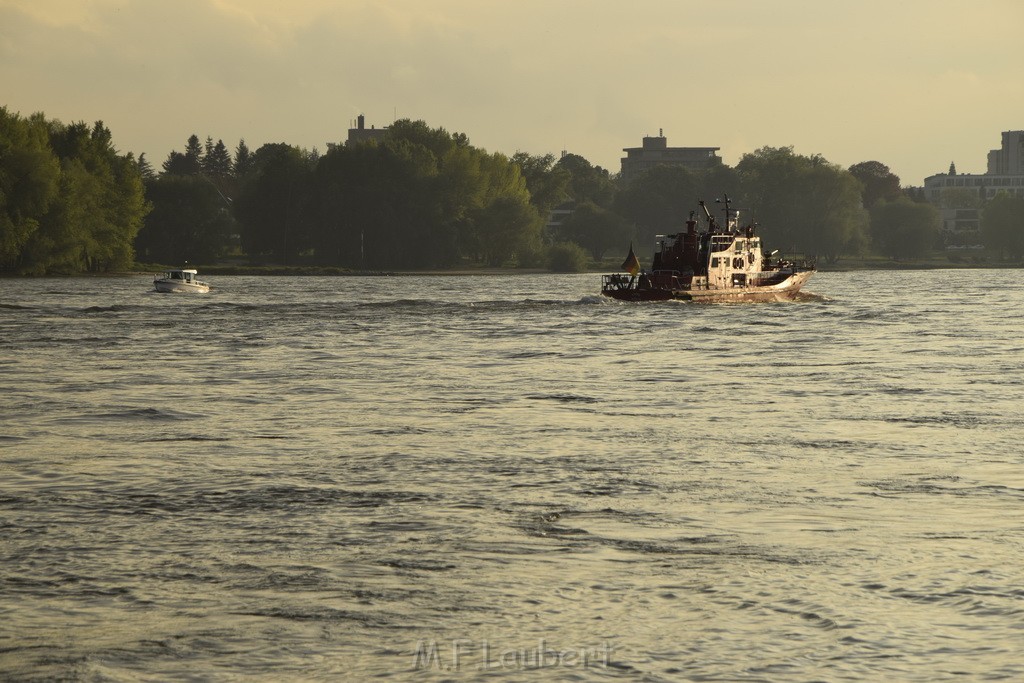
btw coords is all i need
(181, 280)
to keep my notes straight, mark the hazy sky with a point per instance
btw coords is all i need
(914, 84)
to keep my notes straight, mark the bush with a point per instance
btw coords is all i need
(535, 256)
(567, 257)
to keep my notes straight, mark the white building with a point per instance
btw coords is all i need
(960, 197)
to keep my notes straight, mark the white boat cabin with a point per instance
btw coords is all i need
(185, 275)
(732, 258)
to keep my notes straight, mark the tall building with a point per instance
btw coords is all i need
(1009, 159)
(656, 152)
(960, 197)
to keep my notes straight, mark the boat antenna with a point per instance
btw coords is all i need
(725, 200)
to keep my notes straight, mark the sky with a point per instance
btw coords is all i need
(915, 84)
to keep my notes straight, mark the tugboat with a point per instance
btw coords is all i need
(720, 264)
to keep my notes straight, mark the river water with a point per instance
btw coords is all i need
(511, 478)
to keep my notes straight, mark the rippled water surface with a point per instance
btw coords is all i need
(416, 478)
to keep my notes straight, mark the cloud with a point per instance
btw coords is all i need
(590, 76)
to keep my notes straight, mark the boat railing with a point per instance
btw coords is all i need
(656, 280)
(618, 282)
(670, 280)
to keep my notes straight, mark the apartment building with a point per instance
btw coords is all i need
(656, 152)
(960, 196)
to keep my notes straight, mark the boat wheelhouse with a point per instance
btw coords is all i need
(181, 280)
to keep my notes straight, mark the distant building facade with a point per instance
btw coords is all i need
(558, 216)
(959, 197)
(656, 152)
(1008, 159)
(362, 134)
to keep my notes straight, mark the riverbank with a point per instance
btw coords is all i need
(278, 270)
(229, 269)
(939, 260)
(936, 263)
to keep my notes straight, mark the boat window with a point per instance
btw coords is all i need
(714, 263)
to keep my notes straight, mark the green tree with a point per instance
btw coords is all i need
(190, 221)
(29, 177)
(243, 160)
(127, 207)
(547, 183)
(509, 225)
(437, 140)
(904, 229)
(1002, 225)
(92, 222)
(335, 240)
(770, 186)
(505, 198)
(398, 218)
(217, 161)
(586, 181)
(204, 160)
(832, 211)
(596, 229)
(272, 206)
(659, 201)
(421, 197)
(459, 190)
(375, 207)
(717, 181)
(146, 171)
(567, 257)
(177, 163)
(803, 204)
(878, 181)
(194, 152)
(189, 162)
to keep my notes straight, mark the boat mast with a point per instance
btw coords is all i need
(726, 201)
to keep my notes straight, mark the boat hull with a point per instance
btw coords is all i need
(785, 290)
(180, 286)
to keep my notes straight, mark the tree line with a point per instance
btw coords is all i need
(420, 197)
(425, 198)
(69, 202)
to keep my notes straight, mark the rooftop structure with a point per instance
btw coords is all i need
(1008, 159)
(361, 133)
(656, 152)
